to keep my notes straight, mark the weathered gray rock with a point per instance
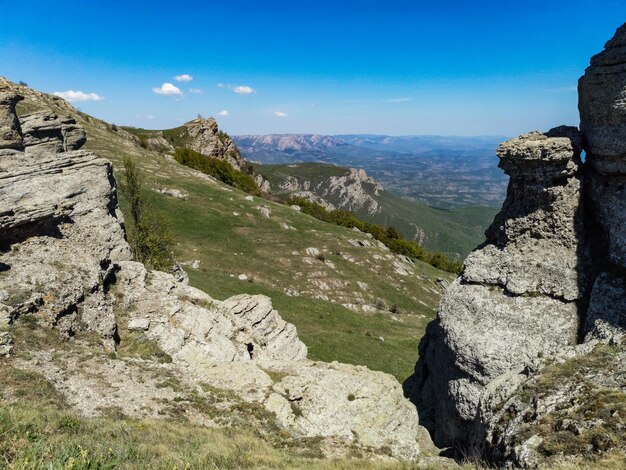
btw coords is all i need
(260, 327)
(6, 343)
(606, 315)
(345, 402)
(175, 193)
(10, 130)
(602, 107)
(46, 133)
(231, 345)
(205, 138)
(515, 301)
(59, 245)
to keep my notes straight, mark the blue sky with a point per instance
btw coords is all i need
(353, 66)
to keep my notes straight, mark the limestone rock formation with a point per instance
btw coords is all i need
(515, 301)
(57, 247)
(205, 138)
(10, 131)
(354, 191)
(45, 132)
(516, 367)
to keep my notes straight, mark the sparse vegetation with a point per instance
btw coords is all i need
(135, 344)
(149, 235)
(389, 235)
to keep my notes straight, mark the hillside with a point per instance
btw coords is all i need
(308, 268)
(455, 231)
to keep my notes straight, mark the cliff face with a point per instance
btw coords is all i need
(544, 288)
(352, 189)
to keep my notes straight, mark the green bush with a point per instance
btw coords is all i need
(149, 234)
(220, 169)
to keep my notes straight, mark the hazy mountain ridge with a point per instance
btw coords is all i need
(437, 170)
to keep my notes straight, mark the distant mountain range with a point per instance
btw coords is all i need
(440, 171)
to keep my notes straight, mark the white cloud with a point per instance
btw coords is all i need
(195, 90)
(167, 89)
(239, 89)
(223, 113)
(71, 95)
(243, 90)
(183, 78)
(280, 114)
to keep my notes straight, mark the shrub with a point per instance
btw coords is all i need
(143, 142)
(217, 168)
(149, 235)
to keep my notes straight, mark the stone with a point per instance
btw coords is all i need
(265, 211)
(10, 130)
(205, 138)
(602, 106)
(515, 301)
(175, 193)
(6, 343)
(61, 245)
(346, 402)
(262, 330)
(46, 133)
(606, 315)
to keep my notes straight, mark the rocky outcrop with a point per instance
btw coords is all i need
(495, 375)
(204, 137)
(354, 190)
(526, 278)
(61, 236)
(10, 130)
(45, 132)
(65, 264)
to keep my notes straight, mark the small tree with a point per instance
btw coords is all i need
(150, 235)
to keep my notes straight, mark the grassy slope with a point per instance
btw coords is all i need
(228, 245)
(454, 231)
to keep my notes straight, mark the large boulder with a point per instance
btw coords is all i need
(60, 237)
(516, 300)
